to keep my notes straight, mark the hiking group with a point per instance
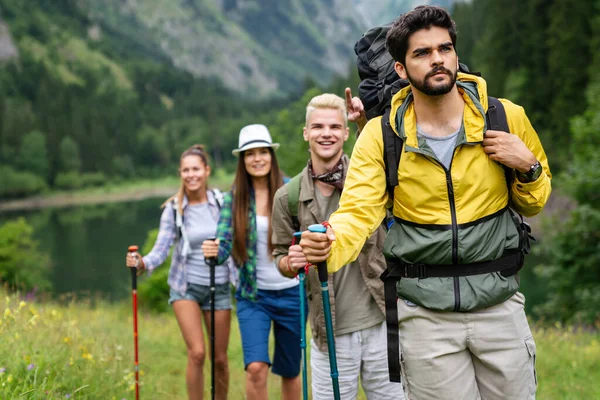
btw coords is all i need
(422, 237)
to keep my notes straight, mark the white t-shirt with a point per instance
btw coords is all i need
(267, 275)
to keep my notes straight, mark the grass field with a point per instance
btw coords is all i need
(84, 350)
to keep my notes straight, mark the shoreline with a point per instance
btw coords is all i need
(64, 200)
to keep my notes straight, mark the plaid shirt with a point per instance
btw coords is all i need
(166, 236)
(247, 285)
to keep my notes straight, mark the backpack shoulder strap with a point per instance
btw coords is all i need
(293, 198)
(178, 219)
(497, 121)
(496, 115)
(218, 197)
(392, 151)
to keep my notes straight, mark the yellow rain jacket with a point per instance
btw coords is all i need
(454, 216)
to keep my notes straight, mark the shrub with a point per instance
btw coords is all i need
(22, 265)
(154, 289)
(68, 180)
(91, 179)
(19, 183)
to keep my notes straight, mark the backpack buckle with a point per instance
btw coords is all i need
(418, 270)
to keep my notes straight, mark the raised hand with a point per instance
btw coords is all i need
(355, 109)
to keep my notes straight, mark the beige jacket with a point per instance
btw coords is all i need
(371, 260)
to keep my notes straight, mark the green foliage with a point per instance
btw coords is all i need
(18, 183)
(535, 53)
(33, 156)
(582, 178)
(68, 180)
(91, 179)
(69, 155)
(573, 271)
(154, 289)
(22, 265)
(152, 146)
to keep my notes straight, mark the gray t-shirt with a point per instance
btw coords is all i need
(201, 225)
(267, 274)
(443, 147)
(355, 308)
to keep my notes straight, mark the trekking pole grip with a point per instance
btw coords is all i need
(322, 266)
(211, 261)
(133, 270)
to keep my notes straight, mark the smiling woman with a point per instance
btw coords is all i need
(264, 297)
(189, 218)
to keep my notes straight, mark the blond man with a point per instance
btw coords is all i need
(356, 294)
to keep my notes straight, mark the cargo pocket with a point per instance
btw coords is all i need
(530, 344)
(405, 384)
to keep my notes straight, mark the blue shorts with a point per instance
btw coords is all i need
(201, 295)
(280, 308)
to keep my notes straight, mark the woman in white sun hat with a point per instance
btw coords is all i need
(264, 297)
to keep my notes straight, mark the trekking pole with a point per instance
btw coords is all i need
(133, 270)
(301, 277)
(211, 262)
(322, 270)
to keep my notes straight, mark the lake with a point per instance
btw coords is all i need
(88, 244)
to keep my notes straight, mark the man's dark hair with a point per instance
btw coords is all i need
(422, 17)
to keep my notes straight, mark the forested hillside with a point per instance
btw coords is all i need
(543, 55)
(536, 53)
(92, 91)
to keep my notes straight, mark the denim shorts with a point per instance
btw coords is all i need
(201, 295)
(281, 310)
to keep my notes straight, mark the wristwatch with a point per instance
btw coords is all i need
(534, 172)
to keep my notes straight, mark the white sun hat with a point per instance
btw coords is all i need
(254, 136)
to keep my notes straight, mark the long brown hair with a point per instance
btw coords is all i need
(242, 186)
(194, 150)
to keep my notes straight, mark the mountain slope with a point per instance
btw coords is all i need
(258, 48)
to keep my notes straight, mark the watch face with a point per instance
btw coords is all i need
(534, 172)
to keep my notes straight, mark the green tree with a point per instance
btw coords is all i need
(33, 155)
(69, 155)
(569, 52)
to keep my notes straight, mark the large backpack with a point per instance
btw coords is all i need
(379, 83)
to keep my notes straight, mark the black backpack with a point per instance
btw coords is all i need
(379, 83)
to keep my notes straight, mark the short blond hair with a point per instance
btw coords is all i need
(327, 100)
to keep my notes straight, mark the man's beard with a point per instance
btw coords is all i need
(426, 88)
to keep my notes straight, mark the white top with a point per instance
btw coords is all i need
(267, 275)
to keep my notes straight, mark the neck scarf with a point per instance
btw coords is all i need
(334, 177)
